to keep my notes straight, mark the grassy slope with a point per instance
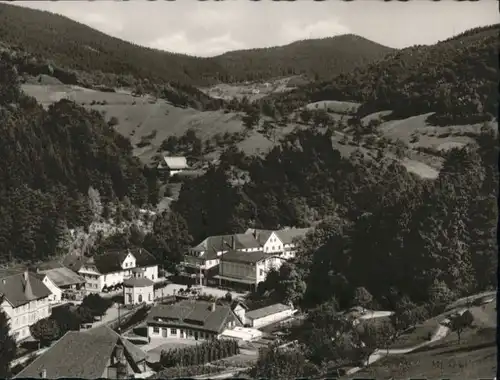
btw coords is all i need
(474, 357)
(140, 116)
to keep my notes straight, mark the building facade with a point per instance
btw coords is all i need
(190, 319)
(247, 269)
(138, 289)
(112, 268)
(25, 301)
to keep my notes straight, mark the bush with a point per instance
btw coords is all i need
(195, 370)
(202, 353)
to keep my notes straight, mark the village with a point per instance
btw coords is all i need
(149, 311)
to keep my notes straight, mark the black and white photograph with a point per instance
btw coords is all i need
(248, 189)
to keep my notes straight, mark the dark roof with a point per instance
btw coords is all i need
(110, 261)
(286, 235)
(74, 262)
(245, 257)
(143, 257)
(54, 264)
(18, 291)
(289, 235)
(225, 242)
(268, 310)
(63, 276)
(139, 282)
(194, 314)
(83, 354)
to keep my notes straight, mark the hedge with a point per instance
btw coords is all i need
(205, 352)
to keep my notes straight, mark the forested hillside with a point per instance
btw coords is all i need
(50, 159)
(456, 78)
(379, 226)
(71, 45)
(317, 59)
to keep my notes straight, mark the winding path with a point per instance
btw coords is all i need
(378, 354)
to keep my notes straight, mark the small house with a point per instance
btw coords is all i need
(172, 165)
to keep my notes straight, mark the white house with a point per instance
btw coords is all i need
(56, 292)
(25, 301)
(246, 269)
(191, 320)
(268, 315)
(281, 242)
(173, 165)
(202, 261)
(113, 267)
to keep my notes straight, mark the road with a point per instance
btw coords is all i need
(439, 334)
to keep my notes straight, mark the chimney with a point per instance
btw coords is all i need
(4, 281)
(212, 306)
(233, 243)
(43, 373)
(255, 233)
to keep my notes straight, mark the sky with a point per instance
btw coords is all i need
(208, 28)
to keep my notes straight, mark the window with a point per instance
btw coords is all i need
(156, 330)
(153, 277)
(140, 298)
(189, 333)
(173, 331)
(129, 298)
(149, 297)
(261, 272)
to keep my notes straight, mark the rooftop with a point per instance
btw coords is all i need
(225, 242)
(268, 310)
(63, 276)
(245, 257)
(174, 163)
(81, 354)
(194, 314)
(286, 235)
(21, 287)
(139, 282)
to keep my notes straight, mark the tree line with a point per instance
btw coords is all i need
(456, 79)
(51, 158)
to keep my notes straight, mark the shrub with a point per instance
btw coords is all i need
(205, 352)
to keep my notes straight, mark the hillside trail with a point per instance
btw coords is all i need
(440, 333)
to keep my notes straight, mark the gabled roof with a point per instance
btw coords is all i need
(81, 354)
(225, 242)
(286, 235)
(110, 261)
(74, 262)
(174, 163)
(63, 276)
(245, 257)
(268, 310)
(194, 314)
(21, 287)
(143, 258)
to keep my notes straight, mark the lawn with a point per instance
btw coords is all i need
(417, 335)
(473, 358)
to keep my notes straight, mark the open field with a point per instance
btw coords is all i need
(474, 357)
(154, 120)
